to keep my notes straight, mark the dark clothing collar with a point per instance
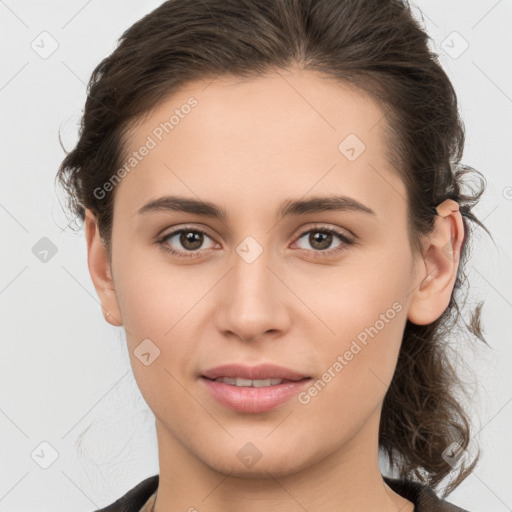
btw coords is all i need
(423, 497)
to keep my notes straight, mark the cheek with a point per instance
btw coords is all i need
(158, 311)
(358, 368)
(156, 298)
(365, 309)
(368, 290)
(365, 350)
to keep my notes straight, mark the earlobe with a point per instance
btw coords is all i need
(440, 263)
(100, 271)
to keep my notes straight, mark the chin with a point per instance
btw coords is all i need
(269, 466)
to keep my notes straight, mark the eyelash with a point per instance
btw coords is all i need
(194, 254)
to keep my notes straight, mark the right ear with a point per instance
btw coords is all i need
(101, 273)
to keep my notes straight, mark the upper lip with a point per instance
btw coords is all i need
(262, 371)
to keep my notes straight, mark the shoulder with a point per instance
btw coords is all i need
(135, 498)
(423, 496)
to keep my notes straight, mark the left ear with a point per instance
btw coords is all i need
(441, 260)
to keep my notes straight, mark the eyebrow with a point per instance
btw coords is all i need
(290, 207)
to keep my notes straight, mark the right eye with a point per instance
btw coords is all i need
(191, 239)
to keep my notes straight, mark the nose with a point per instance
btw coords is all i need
(253, 299)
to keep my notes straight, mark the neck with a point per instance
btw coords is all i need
(344, 480)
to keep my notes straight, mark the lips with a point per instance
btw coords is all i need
(259, 372)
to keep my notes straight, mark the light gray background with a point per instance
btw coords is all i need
(65, 373)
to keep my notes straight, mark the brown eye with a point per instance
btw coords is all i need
(189, 242)
(321, 239)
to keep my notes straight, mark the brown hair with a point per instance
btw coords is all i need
(375, 45)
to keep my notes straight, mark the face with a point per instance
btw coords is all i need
(323, 292)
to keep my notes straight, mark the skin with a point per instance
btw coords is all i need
(247, 146)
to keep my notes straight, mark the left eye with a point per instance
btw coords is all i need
(322, 238)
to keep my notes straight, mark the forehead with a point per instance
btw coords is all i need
(237, 140)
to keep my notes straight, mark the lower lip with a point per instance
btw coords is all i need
(254, 400)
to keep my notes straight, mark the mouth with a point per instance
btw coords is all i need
(241, 374)
(256, 383)
(253, 389)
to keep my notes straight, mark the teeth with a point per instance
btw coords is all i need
(258, 383)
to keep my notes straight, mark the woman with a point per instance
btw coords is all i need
(271, 194)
